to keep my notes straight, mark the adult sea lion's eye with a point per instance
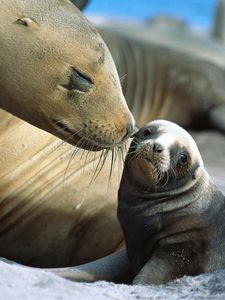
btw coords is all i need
(183, 158)
(26, 21)
(79, 81)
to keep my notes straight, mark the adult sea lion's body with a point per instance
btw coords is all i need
(57, 74)
(171, 213)
(50, 214)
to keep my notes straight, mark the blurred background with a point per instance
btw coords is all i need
(196, 13)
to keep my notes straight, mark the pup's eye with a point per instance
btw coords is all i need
(79, 81)
(183, 158)
(147, 132)
(144, 133)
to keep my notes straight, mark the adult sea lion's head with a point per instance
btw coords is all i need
(57, 73)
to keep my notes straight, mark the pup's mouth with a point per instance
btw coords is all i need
(76, 138)
(140, 153)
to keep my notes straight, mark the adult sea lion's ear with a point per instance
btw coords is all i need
(80, 3)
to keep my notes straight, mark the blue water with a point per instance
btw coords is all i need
(199, 13)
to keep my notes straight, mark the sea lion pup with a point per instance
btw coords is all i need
(171, 213)
(57, 74)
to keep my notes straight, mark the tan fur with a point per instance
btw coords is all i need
(166, 71)
(50, 215)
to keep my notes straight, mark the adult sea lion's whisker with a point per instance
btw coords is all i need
(57, 147)
(88, 152)
(82, 154)
(94, 159)
(96, 169)
(116, 155)
(123, 77)
(119, 158)
(122, 153)
(77, 149)
(120, 149)
(111, 164)
(74, 152)
(125, 147)
(103, 162)
(118, 161)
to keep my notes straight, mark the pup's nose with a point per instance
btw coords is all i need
(157, 148)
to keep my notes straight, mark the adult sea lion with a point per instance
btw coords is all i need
(171, 213)
(57, 74)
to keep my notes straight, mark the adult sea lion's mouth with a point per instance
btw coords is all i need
(77, 139)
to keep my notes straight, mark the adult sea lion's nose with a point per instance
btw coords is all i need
(131, 129)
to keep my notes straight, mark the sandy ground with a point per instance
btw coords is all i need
(21, 283)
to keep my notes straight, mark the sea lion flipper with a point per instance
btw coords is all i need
(157, 270)
(7, 261)
(217, 117)
(114, 267)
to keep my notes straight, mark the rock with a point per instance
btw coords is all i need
(211, 145)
